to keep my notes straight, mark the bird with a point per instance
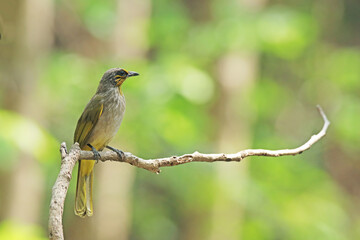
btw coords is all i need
(95, 128)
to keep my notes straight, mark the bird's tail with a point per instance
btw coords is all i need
(84, 186)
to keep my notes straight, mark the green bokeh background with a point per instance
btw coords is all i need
(307, 53)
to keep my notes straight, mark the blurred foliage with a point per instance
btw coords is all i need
(308, 54)
(286, 32)
(98, 16)
(36, 142)
(14, 231)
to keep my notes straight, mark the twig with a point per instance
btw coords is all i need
(69, 159)
(154, 165)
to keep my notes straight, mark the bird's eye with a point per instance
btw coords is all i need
(122, 73)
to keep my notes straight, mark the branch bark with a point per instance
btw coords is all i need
(60, 188)
(154, 165)
(61, 185)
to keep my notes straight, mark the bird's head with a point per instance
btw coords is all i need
(114, 78)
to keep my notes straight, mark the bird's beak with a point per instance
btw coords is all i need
(132, 74)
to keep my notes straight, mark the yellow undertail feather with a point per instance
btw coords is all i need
(83, 198)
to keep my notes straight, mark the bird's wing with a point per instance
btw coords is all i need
(88, 120)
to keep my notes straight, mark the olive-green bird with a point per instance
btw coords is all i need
(96, 127)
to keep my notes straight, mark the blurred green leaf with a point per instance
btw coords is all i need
(27, 136)
(99, 16)
(10, 230)
(269, 95)
(346, 121)
(286, 32)
(343, 68)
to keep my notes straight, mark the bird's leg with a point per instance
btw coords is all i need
(120, 153)
(95, 152)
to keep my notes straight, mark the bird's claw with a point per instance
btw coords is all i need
(120, 153)
(97, 156)
(95, 152)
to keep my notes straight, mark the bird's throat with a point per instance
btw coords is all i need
(120, 82)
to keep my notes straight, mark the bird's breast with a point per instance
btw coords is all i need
(109, 121)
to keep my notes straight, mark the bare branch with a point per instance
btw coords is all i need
(154, 165)
(60, 188)
(68, 161)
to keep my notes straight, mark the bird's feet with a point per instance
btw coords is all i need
(95, 152)
(120, 153)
